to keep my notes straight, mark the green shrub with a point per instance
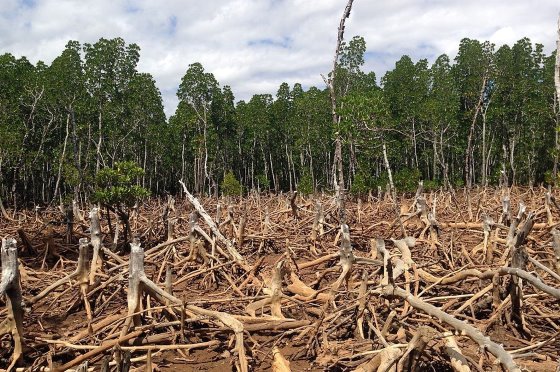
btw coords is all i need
(305, 185)
(230, 185)
(116, 190)
(262, 181)
(115, 187)
(430, 185)
(361, 184)
(407, 179)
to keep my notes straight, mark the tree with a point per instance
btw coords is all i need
(110, 65)
(117, 190)
(197, 92)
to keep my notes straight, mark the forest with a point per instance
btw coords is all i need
(488, 116)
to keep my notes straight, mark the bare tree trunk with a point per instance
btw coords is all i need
(335, 116)
(469, 153)
(557, 101)
(484, 168)
(393, 191)
(557, 65)
(99, 142)
(61, 160)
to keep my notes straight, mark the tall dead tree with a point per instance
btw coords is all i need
(557, 85)
(339, 184)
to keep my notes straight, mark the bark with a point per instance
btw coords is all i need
(393, 191)
(10, 285)
(557, 64)
(332, 93)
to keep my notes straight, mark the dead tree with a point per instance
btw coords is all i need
(519, 261)
(10, 286)
(339, 186)
(557, 86)
(556, 246)
(140, 284)
(317, 229)
(229, 246)
(293, 205)
(274, 293)
(347, 258)
(81, 275)
(393, 191)
(96, 243)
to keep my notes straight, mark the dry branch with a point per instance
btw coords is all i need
(229, 246)
(463, 328)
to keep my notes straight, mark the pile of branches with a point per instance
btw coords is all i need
(438, 280)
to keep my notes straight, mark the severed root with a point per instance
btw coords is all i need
(415, 348)
(275, 292)
(11, 287)
(466, 329)
(279, 364)
(384, 361)
(81, 274)
(139, 283)
(458, 361)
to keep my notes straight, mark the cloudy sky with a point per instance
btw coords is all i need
(254, 45)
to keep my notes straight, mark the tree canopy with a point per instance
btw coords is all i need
(487, 115)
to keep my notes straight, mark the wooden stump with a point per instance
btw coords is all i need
(10, 286)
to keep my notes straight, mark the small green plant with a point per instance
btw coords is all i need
(431, 185)
(305, 185)
(230, 185)
(116, 190)
(262, 181)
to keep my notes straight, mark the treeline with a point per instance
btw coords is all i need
(488, 116)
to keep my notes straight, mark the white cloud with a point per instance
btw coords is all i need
(254, 45)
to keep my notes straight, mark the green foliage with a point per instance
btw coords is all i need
(406, 179)
(262, 181)
(116, 187)
(60, 122)
(361, 184)
(305, 185)
(432, 185)
(230, 185)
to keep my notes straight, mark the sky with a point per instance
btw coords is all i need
(255, 45)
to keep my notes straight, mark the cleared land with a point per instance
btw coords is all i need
(460, 293)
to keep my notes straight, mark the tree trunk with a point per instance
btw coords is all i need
(332, 93)
(61, 160)
(557, 101)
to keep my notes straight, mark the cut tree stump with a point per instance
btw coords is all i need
(10, 286)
